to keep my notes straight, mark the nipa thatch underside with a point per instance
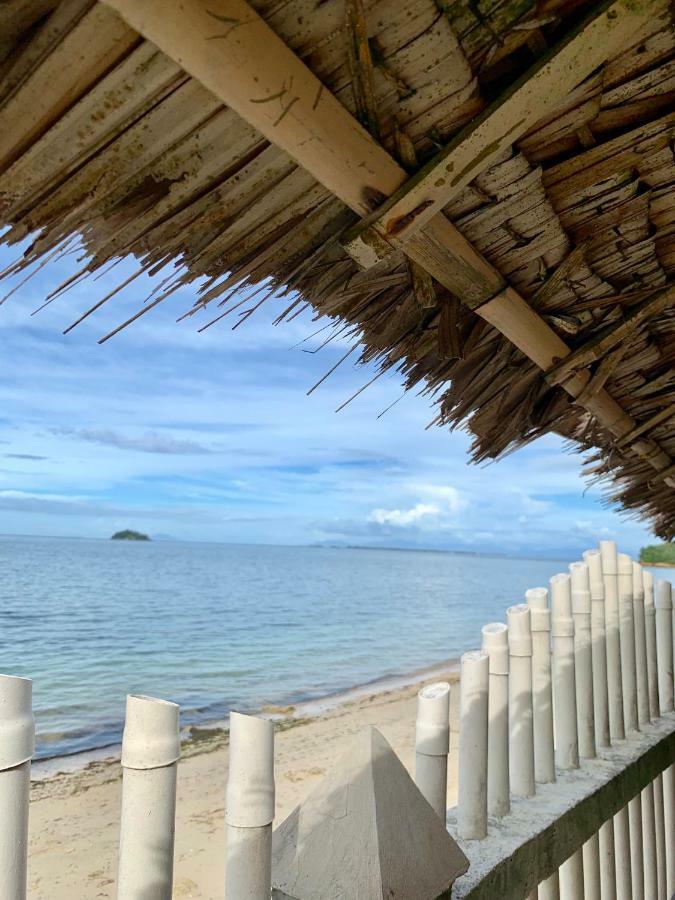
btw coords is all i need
(102, 136)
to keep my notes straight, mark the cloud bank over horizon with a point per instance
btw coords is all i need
(211, 437)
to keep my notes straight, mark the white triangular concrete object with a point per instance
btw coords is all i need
(365, 832)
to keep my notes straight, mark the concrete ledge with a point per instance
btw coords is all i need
(539, 834)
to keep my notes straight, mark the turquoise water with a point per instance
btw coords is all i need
(215, 627)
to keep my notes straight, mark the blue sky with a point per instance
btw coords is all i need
(211, 436)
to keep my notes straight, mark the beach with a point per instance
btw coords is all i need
(74, 817)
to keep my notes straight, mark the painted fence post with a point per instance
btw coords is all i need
(663, 602)
(659, 852)
(583, 665)
(598, 647)
(432, 745)
(604, 839)
(496, 645)
(473, 745)
(628, 822)
(645, 835)
(249, 808)
(542, 691)
(150, 752)
(627, 643)
(521, 731)
(565, 712)
(628, 615)
(614, 689)
(640, 629)
(17, 745)
(564, 681)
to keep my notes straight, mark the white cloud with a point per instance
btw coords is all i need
(403, 517)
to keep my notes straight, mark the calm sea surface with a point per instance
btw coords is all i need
(215, 627)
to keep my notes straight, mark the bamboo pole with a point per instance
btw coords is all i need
(661, 875)
(593, 560)
(606, 868)
(627, 643)
(640, 630)
(473, 746)
(496, 645)
(565, 712)
(521, 733)
(654, 792)
(650, 638)
(432, 745)
(564, 682)
(17, 745)
(150, 752)
(643, 827)
(249, 808)
(614, 689)
(583, 666)
(663, 602)
(622, 855)
(542, 691)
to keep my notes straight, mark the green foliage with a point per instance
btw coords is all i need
(658, 554)
(129, 535)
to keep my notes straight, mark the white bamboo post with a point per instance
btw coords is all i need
(640, 629)
(572, 877)
(663, 602)
(583, 666)
(624, 883)
(632, 815)
(607, 860)
(542, 697)
(249, 808)
(550, 888)
(650, 638)
(600, 879)
(641, 809)
(660, 838)
(521, 732)
(627, 643)
(432, 745)
(593, 560)
(473, 745)
(496, 645)
(591, 871)
(564, 682)
(17, 745)
(636, 851)
(565, 712)
(150, 753)
(649, 843)
(653, 794)
(614, 689)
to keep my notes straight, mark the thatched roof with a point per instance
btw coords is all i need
(556, 313)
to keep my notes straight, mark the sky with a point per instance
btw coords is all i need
(212, 437)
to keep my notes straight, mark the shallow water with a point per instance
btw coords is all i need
(216, 626)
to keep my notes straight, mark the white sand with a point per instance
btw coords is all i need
(74, 816)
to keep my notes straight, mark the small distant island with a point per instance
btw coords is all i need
(129, 535)
(658, 555)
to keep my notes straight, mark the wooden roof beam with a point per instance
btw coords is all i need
(610, 27)
(280, 96)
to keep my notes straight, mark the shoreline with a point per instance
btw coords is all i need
(74, 817)
(210, 735)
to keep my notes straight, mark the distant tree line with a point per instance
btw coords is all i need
(658, 554)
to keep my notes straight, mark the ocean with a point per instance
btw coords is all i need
(216, 627)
